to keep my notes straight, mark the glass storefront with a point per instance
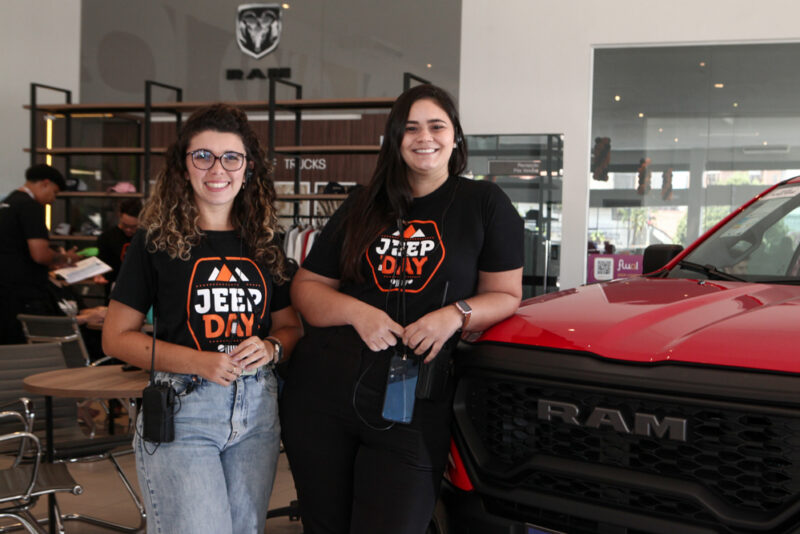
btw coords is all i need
(529, 168)
(681, 136)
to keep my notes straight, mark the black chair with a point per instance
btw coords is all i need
(24, 482)
(65, 330)
(70, 443)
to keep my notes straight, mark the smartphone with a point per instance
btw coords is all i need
(401, 386)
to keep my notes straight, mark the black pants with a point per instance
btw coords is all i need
(351, 477)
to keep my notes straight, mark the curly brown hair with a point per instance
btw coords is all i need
(170, 216)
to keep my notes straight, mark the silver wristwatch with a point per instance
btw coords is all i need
(278, 348)
(466, 312)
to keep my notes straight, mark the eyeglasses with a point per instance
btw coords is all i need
(204, 159)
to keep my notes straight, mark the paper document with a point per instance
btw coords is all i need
(87, 268)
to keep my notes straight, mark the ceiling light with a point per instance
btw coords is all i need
(736, 104)
(702, 63)
(661, 130)
(429, 65)
(641, 115)
(719, 85)
(617, 98)
(285, 6)
(676, 139)
(764, 143)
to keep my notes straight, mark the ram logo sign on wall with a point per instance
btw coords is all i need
(258, 28)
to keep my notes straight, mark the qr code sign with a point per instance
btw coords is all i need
(603, 269)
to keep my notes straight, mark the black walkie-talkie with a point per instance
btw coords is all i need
(158, 405)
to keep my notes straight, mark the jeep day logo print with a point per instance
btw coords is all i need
(220, 314)
(424, 253)
(258, 28)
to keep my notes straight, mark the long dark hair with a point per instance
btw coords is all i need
(170, 215)
(388, 195)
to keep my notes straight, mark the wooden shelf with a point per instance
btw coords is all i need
(97, 151)
(328, 149)
(336, 103)
(187, 107)
(98, 194)
(60, 237)
(313, 196)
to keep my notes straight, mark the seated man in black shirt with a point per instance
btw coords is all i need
(113, 243)
(25, 252)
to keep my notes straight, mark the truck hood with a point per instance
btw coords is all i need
(648, 320)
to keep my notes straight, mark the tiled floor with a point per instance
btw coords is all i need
(104, 496)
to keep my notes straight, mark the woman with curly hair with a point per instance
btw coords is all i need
(206, 257)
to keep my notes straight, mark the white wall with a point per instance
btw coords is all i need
(40, 40)
(526, 67)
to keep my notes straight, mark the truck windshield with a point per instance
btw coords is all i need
(760, 244)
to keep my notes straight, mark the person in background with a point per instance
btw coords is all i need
(25, 252)
(208, 258)
(407, 262)
(113, 243)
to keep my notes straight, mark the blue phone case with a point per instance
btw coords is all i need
(401, 386)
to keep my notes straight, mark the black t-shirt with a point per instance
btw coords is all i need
(112, 245)
(201, 303)
(463, 227)
(21, 218)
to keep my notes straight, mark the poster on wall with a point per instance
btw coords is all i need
(258, 28)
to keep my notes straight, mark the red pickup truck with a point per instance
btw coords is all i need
(663, 403)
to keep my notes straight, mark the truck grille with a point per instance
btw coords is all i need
(748, 458)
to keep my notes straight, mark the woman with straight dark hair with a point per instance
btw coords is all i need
(207, 260)
(407, 262)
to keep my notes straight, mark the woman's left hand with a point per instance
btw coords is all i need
(252, 353)
(431, 331)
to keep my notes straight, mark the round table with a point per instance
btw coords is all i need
(101, 382)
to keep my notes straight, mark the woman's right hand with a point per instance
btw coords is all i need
(376, 328)
(321, 303)
(218, 367)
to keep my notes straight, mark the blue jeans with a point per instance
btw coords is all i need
(217, 475)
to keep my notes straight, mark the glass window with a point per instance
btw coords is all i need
(683, 135)
(759, 244)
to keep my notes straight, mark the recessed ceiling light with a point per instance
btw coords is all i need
(661, 130)
(764, 143)
(429, 65)
(676, 139)
(617, 98)
(736, 104)
(641, 115)
(702, 63)
(285, 6)
(719, 85)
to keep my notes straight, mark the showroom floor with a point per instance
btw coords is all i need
(105, 497)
